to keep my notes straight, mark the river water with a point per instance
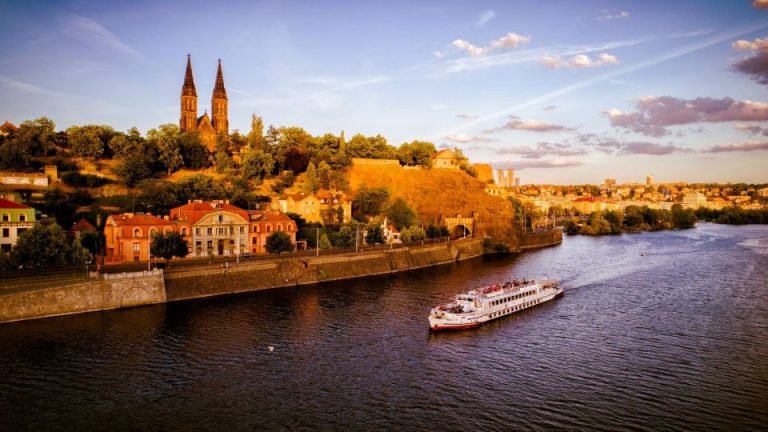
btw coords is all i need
(657, 331)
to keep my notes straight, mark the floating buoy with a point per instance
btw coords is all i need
(271, 348)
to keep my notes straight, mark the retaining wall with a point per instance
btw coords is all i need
(86, 296)
(257, 276)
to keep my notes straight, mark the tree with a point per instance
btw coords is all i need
(256, 135)
(401, 214)
(37, 137)
(345, 237)
(278, 242)
(416, 153)
(13, 156)
(169, 245)
(199, 186)
(256, 164)
(223, 161)
(324, 174)
(46, 246)
(683, 218)
(311, 181)
(369, 202)
(325, 244)
(157, 196)
(134, 169)
(84, 141)
(374, 234)
(193, 153)
(166, 138)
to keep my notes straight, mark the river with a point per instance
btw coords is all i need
(656, 331)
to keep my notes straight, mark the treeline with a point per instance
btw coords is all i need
(632, 219)
(166, 149)
(733, 215)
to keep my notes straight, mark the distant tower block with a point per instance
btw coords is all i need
(649, 180)
(505, 177)
(517, 181)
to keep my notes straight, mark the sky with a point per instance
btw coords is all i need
(562, 91)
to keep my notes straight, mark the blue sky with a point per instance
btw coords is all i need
(563, 91)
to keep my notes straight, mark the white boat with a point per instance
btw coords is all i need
(481, 305)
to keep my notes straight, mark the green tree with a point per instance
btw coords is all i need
(278, 242)
(374, 234)
(133, 169)
(13, 156)
(345, 237)
(223, 161)
(401, 214)
(157, 196)
(193, 153)
(46, 246)
(416, 153)
(169, 245)
(683, 218)
(324, 174)
(325, 243)
(37, 137)
(311, 181)
(199, 186)
(256, 135)
(85, 141)
(256, 164)
(369, 202)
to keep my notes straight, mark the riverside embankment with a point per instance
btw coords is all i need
(29, 299)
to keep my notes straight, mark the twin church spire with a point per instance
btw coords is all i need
(207, 127)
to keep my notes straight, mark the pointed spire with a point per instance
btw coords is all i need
(189, 81)
(219, 92)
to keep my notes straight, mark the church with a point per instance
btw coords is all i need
(207, 127)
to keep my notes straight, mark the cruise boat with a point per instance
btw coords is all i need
(481, 305)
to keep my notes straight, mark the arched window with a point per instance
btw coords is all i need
(166, 230)
(152, 232)
(22, 217)
(255, 228)
(279, 227)
(136, 232)
(269, 228)
(6, 217)
(290, 227)
(184, 231)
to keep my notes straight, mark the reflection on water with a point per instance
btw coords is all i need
(656, 331)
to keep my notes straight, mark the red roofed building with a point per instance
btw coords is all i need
(215, 227)
(82, 226)
(263, 224)
(15, 218)
(129, 236)
(8, 128)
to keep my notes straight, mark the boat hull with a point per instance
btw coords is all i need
(454, 327)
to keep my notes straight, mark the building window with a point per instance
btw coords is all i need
(210, 231)
(6, 217)
(269, 228)
(136, 247)
(221, 218)
(166, 230)
(6, 232)
(279, 227)
(136, 233)
(23, 217)
(152, 232)
(242, 230)
(290, 227)
(183, 231)
(197, 231)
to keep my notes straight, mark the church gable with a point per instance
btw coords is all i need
(204, 123)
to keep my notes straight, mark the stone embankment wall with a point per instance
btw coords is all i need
(118, 291)
(253, 276)
(537, 240)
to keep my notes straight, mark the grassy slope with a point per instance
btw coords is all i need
(435, 192)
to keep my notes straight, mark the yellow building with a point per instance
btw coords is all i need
(322, 206)
(445, 159)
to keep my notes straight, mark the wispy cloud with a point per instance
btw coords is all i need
(578, 61)
(654, 114)
(760, 4)
(607, 16)
(514, 123)
(464, 139)
(92, 33)
(549, 108)
(752, 129)
(542, 149)
(742, 147)
(30, 88)
(466, 116)
(523, 164)
(673, 54)
(485, 18)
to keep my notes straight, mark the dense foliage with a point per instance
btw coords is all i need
(169, 245)
(278, 242)
(46, 245)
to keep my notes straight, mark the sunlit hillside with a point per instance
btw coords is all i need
(436, 192)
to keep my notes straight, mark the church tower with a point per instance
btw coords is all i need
(219, 104)
(188, 121)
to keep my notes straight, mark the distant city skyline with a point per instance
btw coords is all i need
(563, 92)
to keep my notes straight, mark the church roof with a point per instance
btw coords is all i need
(189, 82)
(219, 92)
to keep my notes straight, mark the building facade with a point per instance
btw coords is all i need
(262, 225)
(319, 207)
(15, 218)
(213, 228)
(129, 236)
(207, 127)
(445, 159)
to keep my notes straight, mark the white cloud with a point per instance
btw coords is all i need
(756, 45)
(464, 138)
(485, 17)
(610, 17)
(579, 61)
(439, 54)
(510, 40)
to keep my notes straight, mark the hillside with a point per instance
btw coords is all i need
(435, 192)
